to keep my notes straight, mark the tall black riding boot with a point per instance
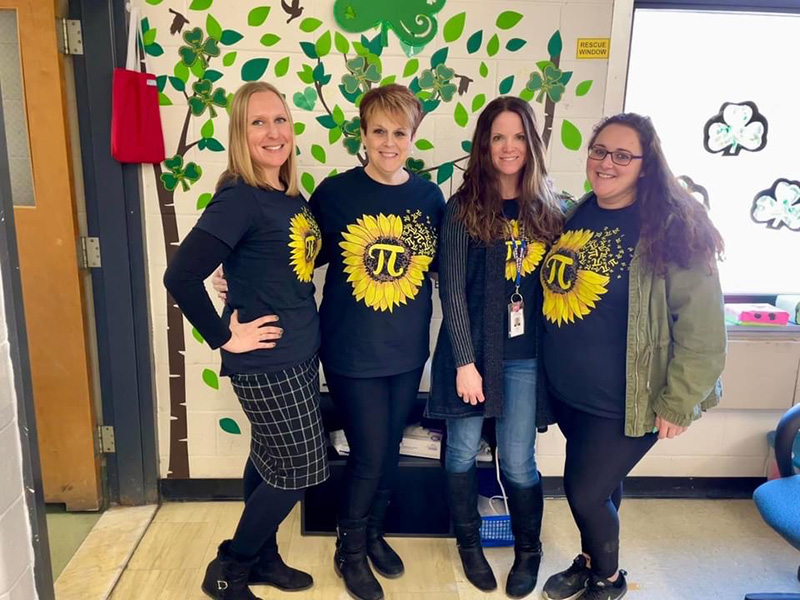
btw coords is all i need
(462, 494)
(226, 576)
(350, 560)
(384, 559)
(271, 570)
(526, 506)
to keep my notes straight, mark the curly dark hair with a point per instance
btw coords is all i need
(675, 228)
(481, 204)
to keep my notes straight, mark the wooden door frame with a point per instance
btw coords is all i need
(23, 386)
(115, 214)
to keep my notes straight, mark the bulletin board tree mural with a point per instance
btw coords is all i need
(207, 68)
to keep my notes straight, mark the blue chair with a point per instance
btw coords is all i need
(778, 500)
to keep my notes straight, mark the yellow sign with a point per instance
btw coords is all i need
(593, 48)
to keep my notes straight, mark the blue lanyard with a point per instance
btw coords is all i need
(520, 247)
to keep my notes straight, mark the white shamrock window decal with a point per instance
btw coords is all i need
(778, 206)
(697, 191)
(736, 126)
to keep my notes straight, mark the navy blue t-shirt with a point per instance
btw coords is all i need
(380, 245)
(585, 278)
(274, 240)
(522, 346)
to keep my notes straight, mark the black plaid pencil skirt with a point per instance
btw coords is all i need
(287, 446)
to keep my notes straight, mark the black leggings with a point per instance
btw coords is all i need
(265, 508)
(374, 411)
(599, 456)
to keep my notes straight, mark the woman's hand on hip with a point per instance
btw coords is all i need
(219, 283)
(667, 429)
(253, 335)
(469, 384)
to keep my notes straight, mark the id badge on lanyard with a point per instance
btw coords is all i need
(516, 308)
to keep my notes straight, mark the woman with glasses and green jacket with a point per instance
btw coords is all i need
(634, 337)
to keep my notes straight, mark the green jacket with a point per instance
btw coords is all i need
(676, 344)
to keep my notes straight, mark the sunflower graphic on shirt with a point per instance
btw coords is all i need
(386, 257)
(534, 252)
(305, 242)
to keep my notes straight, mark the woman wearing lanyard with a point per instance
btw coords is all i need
(494, 237)
(260, 228)
(379, 229)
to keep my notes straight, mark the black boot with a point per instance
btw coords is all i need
(271, 570)
(226, 577)
(462, 493)
(384, 560)
(526, 506)
(350, 560)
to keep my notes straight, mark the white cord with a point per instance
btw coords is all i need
(500, 483)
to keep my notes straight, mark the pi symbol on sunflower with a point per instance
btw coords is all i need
(569, 290)
(386, 258)
(305, 242)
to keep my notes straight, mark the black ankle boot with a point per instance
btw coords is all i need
(271, 570)
(350, 560)
(384, 559)
(526, 506)
(226, 577)
(462, 493)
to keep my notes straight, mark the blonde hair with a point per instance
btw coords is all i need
(240, 163)
(392, 99)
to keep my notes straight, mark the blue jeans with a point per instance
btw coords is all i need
(516, 429)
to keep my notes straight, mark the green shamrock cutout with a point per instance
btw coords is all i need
(352, 135)
(439, 81)
(415, 166)
(197, 48)
(360, 73)
(412, 21)
(551, 81)
(180, 174)
(204, 98)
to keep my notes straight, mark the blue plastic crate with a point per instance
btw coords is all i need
(496, 531)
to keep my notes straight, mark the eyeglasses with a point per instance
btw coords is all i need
(623, 159)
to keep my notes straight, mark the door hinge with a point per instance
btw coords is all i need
(71, 36)
(105, 439)
(89, 252)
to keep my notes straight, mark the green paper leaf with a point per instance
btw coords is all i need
(198, 70)
(387, 80)
(161, 82)
(154, 49)
(583, 87)
(478, 102)
(230, 37)
(327, 121)
(307, 181)
(309, 24)
(493, 46)
(306, 75)
(149, 37)
(299, 128)
(210, 378)
(212, 75)
(587, 187)
(309, 50)
(154, 2)
(423, 144)
(282, 67)
(202, 202)
(177, 83)
(269, 39)
(444, 172)
(207, 130)
(565, 77)
(543, 64)
(466, 146)
(507, 19)
(474, 42)
(200, 4)
(526, 95)
(334, 135)
(254, 68)
(164, 100)
(454, 27)
(505, 85)
(341, 43)
(323, 45)
(338, 115)
(229, 59)
(230, 426)
(555, 45)
(306, 99)
(411, 67)
(318, 152)
(439, 57)
(515, 44)
(213, 28)
(461, 115)
(196, 334)
(181, 71)
(257, 16)
(483, 70)
(214, 145)
(570, 136)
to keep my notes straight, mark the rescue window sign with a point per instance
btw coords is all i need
(589, 48)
